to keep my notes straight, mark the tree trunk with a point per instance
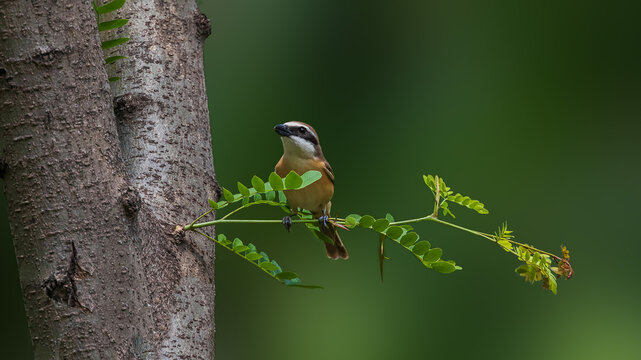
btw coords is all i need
(94, 197)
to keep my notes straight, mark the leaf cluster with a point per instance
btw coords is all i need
(536, 267)
(262, 192)
(261, 260)
(404, 236)
(110, 25)
(536, 263)
(443, 194)
(268, 192)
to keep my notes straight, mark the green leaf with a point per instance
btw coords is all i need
(443, 267)
(433, 255)
(109, 7)
(270, 196)
(228, 195)
(469, 203)
(409, 239)
(421, 247)
(114, 78)
(394, 232)
(506, 245)
(310, 177)
(265, 257)
(278, 269)
(241, 248)
(258, 184)
(551, 283)
(213, 204)
(268, 266)
(281, 197)
(366, 221)
(112, 59)
(351, 222)
(222, 239)
(429, 181)
(253, 256)
(114, 42)
(237, 242)
(355, 216)
(293, 181)
(244, 191)
(275, 181)
(380, 225)
(287, 275)
(389, 217)
(113, 24)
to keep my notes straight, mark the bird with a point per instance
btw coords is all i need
(302, 152)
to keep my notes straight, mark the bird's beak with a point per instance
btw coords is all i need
(282, 130)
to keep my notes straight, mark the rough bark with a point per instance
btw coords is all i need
(163, 123)
(93, 199)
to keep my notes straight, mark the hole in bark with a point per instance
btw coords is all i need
(62, 287)
(3, 72)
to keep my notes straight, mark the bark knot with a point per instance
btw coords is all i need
(46, 56)
(129, 105)
(203, 24)
(131, 201)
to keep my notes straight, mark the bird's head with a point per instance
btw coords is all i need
(299, 140)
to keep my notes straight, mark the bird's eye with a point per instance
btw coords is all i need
(302, 129)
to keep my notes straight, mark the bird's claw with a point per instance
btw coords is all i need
(287, 222)
(323, 221)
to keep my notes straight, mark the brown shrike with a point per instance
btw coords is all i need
(302, 152)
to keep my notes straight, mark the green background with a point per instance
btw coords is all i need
(531, 108)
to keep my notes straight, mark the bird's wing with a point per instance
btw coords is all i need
(327, 169)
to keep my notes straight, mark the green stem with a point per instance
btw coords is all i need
(236, 210)
(431, 217)
(201, 216)
(246, 221)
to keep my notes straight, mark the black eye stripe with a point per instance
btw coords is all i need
(304, 133)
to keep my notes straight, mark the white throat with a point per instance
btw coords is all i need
(296, 147)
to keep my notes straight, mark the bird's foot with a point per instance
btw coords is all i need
(323, 221)
(287, 222)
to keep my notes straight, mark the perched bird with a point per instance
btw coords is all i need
(302, 152)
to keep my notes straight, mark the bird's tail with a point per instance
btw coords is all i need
(337, 249)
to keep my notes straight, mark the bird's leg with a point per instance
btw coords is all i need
(287, 220)
(323, 220)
